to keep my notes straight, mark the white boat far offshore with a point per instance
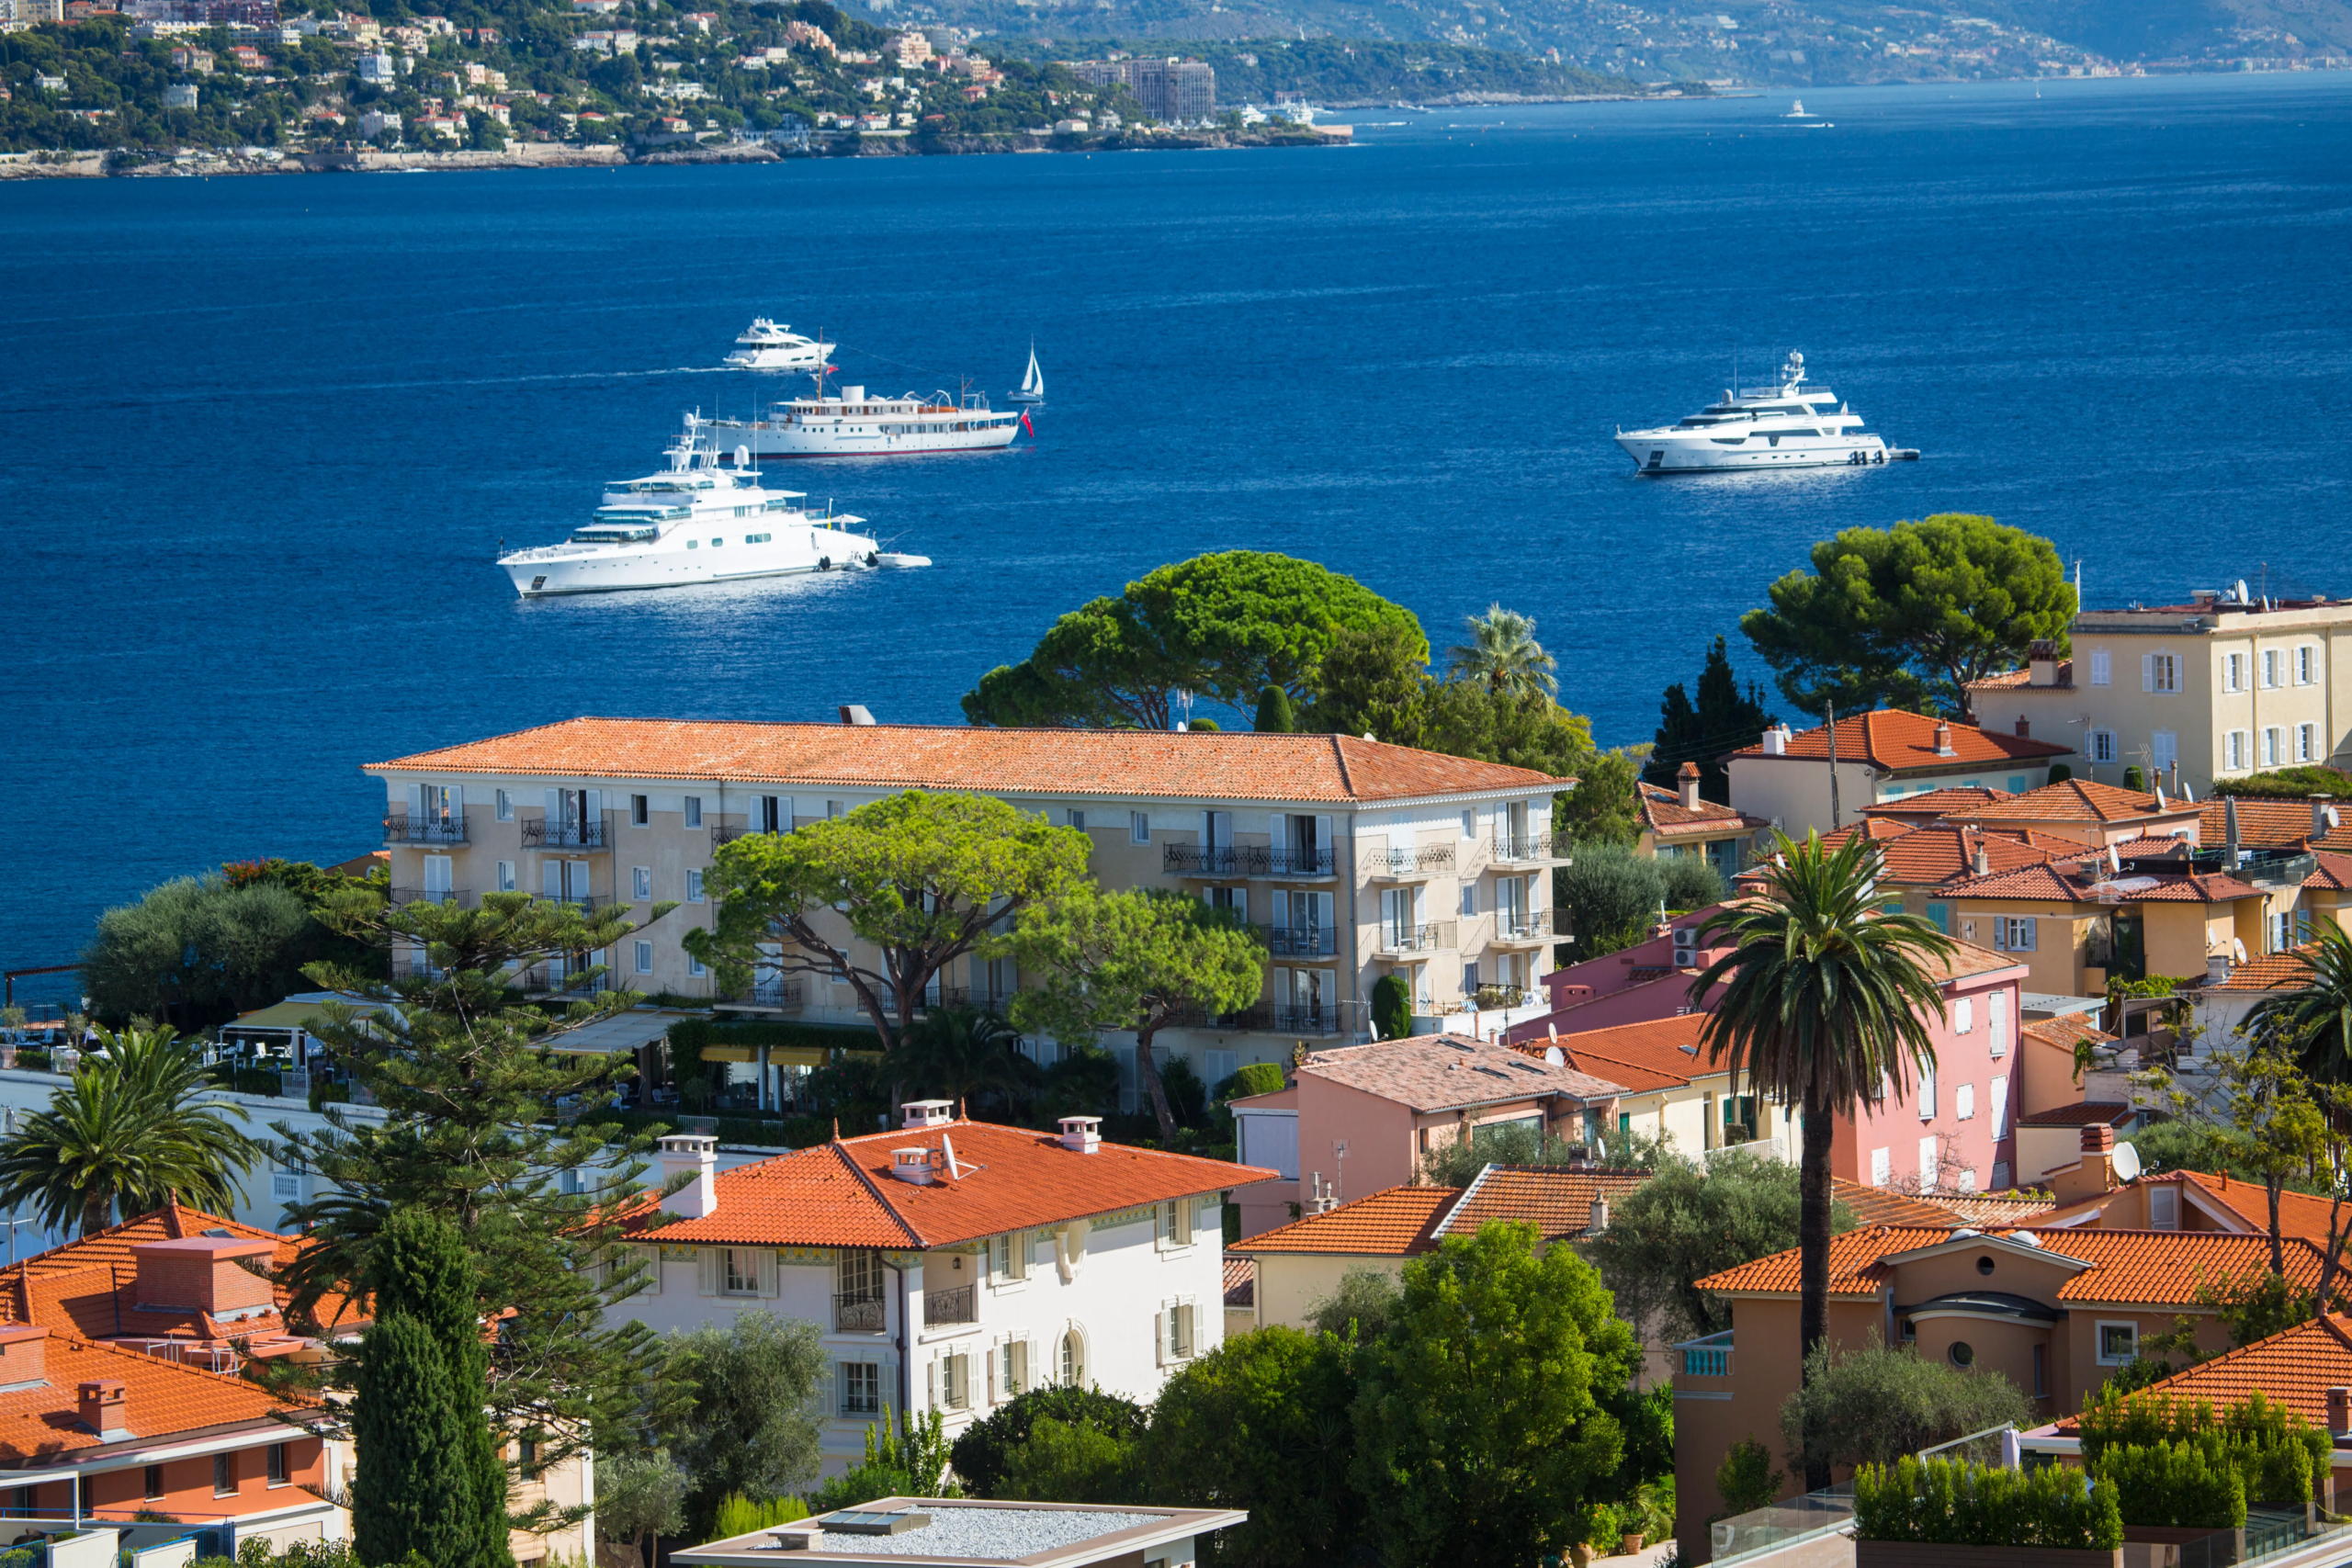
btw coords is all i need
(695, 521)
(772, 345)
(1785, 425)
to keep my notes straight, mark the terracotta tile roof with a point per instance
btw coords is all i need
(2294, 1368)
(1664, 814)
(2075, 800)
(1886, 1206)
(1953, 800)
(1140, 763)
(2271, 824)
(2011, 680)
(2058, 883)
(1555, 1199)
(2334, 876)
(2127, 1268)
(842, 1194)
(2089, 1114)
(1393, 1223)
(2288, 971)
(1240, 1282)
(39, 1424)
(2066, 1032)
(1451, 1072)
(1906, 742)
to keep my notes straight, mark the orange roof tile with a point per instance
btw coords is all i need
(1240, 1282)
(161, 1399)
(842, 1194)
(1558, 1200)
(2076, 800)
(2294, 1368)
(1140, 763)
(1450, 1072)
(1906, 743)
(1392, 1222)
(1664, 814)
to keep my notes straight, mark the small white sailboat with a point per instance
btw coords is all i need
(1033, 385)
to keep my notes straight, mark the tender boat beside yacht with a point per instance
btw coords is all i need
(697, 522)
(1785, 425)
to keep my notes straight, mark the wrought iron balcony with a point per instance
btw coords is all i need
(960, 1304)
(1514, 849)
(858, 1312)
(400, 828)
(1429, 937)
(461, 896)
(1523, 925)
(1410, 861)
(540, 833)
(1299, 941)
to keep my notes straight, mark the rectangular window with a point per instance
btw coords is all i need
(506, 876)
(2102, 667)
(860, 1388)
(153, 1485)
(505, 806)
(278, 1464)
(1963, 1102)
(694, 811)
(640, 883)
(1139, 826)
(2118, 1343)
(224, 1475)
(2102, 742)
(640, 811)
(694, 886)
(645, 958)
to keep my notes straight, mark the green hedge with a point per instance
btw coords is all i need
(2181, 1486)
(1950, 1501)
(2274, 1450)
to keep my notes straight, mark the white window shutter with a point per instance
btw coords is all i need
(707, 1270)
(2147, 672)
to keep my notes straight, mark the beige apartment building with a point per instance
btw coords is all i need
(2225, 686)
(1351, 858)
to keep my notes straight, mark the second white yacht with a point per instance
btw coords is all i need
(695, 521)
(1785, 425)
(772, 345)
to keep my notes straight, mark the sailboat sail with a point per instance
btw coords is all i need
(1034, 383)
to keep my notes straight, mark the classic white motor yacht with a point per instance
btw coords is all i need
(853, 425)
(1786, 425)
(772, 345)
(695, 521)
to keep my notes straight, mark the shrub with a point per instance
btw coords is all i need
(981, 1452)
(1747, 1478)
(1392, 1007)
(1255, 1078)
(2176, 1485)
(1949, 1501)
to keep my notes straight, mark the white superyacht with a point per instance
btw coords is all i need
(772, 345)
(1785, 425)
(695, 521)
(853, 425)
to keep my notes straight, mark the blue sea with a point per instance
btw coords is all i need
(263, 435)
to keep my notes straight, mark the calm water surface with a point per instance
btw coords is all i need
(263, 435)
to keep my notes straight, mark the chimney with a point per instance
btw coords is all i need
(1686, 783)
(1082, 1134)
(697, 1154)
(1776, 741)
(23, 1355)
(1599, 1220)
(2025, 728)
(204, 1273)
(104, 1409)
(856, 714)
(1943, 739)
(2041, 665)
(2339, 1410)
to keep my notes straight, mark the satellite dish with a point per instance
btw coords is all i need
(2127, 1162)
(2238, 947)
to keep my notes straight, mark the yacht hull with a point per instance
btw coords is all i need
(1676, 452)
(669, 563)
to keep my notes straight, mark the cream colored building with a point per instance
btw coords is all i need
(1351, 859)
(2221, 686)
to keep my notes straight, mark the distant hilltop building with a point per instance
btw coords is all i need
(1179, 91)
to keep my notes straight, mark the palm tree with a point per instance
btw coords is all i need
(131, 1129)
(1823, 1006)
(1502, 654)
(2314, 1021)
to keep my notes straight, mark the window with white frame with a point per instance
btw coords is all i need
(2014, 933)
(1139, 826)
(1963, 1015)
(2119, 1343)
(2233, 672)
(861, 1386)
(2233, 750)
(694, 886)
(2102, 745)
(2307, 664)
(2160, 671)
(2102, 667)
(506, 806)
(1176, 1223)
(694, 811)
(644, 957)
(1963, 1102)
(641, 884)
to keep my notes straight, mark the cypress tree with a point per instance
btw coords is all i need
(1276, 715)
(410, 1488)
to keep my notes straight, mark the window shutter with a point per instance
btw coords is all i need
(707, 1270)
(2147, 672)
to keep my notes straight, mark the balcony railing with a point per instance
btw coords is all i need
(541, 833)
(1244, 860)
(1430, 938)
(461, 896)
(1512, 848)
(1523, 925)
(1299, 941)
(1410, 861)
(960, 1304)
(400, 828)
(858, 1312)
